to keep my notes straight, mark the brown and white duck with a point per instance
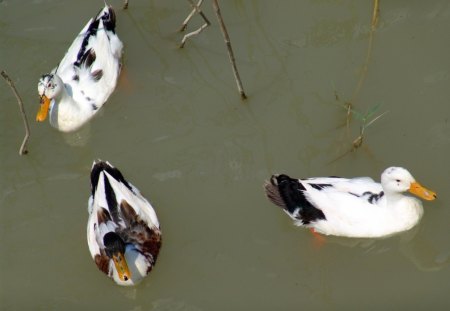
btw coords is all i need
(123, 231)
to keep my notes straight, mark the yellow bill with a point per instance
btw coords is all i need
(121, 266)
(44, 108)
(422, 192)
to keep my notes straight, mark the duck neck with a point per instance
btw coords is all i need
(393, 197)
(65, 112)
(65, 96)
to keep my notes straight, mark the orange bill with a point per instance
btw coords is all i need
(121, 266)
(422, 192)
(43, 110)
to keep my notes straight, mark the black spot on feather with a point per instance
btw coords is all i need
(320, 186)
(97, 75)
(87, 59)
(90, 32)
(111, 200)
(374, 197)
(109, 19)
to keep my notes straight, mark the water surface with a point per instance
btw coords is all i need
(178, 130)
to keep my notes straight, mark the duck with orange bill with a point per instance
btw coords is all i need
(123, 231)
(351, 207)
(85, 78)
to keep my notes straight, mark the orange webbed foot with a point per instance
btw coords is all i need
(318, 239)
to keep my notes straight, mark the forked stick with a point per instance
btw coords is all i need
(196, 8)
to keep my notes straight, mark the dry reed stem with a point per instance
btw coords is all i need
(229, 49)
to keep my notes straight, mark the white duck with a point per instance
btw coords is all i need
(84, 79)
(123, 232)
(357, 207)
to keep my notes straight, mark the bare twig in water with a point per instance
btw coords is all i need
(196, 8)
(125, 5)
(23, 148)
(229, 49)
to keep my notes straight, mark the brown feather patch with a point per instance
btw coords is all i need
(102, 262)
(128, 213)
(138, 232)
(273, 194)
(103, 216)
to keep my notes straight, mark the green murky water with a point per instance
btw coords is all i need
(177, 129)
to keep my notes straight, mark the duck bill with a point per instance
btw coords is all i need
(43, 109)
(121, 267)
(422, 192)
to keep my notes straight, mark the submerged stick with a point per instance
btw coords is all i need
(23, 149)
(196, 8)
(229, 49)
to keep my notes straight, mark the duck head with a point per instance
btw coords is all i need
(49, 87)
(398, 180)
(115, 250)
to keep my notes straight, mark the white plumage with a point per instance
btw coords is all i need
(357, 207)
(85, 78)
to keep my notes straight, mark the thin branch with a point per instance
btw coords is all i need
(376, 118)
(365, 69)
(191, 34)
(229, 49)
(375, 14)
(196, 8)
(125, 5)
(23, 149)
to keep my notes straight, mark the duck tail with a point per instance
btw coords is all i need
(104, 166)
(289, 194)
(108, 17)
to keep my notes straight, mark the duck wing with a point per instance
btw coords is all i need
(310, 200)
(291, 195)
(92, 63)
